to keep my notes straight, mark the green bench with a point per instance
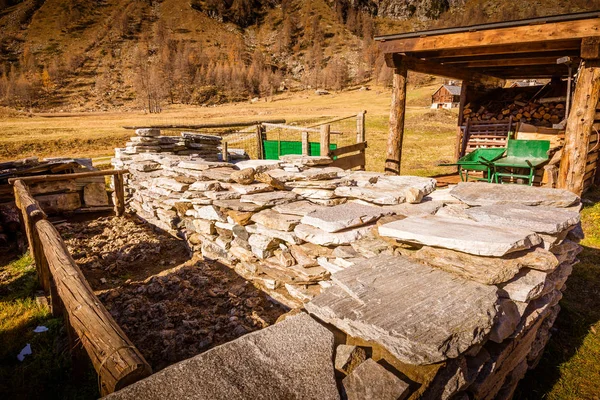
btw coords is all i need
(480, 160)
(521, 154)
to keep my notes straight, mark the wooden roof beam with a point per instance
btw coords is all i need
(511, 56)
(504, 36)
(550, 61)
(432, 68)
(512, 49)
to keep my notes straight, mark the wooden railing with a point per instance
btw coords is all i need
(116, 360)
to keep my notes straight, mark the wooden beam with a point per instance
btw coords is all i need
(116, 360)
(513, 56)
(508, 62)
(433, 68)
(119, 194)
(325, 139)
(590, 48)
(504, 36)
(62, 177)
(348, 149)
(397, 115)
(579, 128)
(208, 126)
(502, 50)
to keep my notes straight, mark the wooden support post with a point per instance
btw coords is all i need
(259, 142)
(224, 152)
(461, 117)
(397, 113)
(119, 194)
(305, 144)
(579, 127)
(360, 127)
(325, 140)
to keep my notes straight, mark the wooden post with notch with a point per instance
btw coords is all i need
(224, 152)
(119, 194)
(579, 127)
(325, 140)
(305, 144)
(360, 127)
(393, 156)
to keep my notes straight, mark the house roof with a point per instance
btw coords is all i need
(453, 89)
(522, 49)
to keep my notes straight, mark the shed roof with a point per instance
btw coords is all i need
(508, 50)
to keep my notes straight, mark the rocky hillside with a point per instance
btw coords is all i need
(122, 54)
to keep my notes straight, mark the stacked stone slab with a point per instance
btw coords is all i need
(454, 291)
(149, 140)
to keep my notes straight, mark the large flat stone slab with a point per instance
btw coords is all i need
(550, 220)
(288, 360)
(371, 194)
(481, 194)
(318, 236)
(461, 235)
(419, 314)
(487, 270)
(344, 216)
(300, 208)
(269, 198)
(372, 381)
(274, 220)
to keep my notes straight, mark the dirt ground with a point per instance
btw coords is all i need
(170, 306)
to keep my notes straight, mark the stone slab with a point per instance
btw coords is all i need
(348, 357)
(237, 205)
(481, 194)
(550, 220)
(344, 216)
(487, 270)
(315, 193)
(527, 285)
(461, 235)
(258, 165)
(269, 198)
(300, 208)
(318, 236)
(201, 165)
(371, 194)
(94, 194)
(289, 360)
(274, 220)
(309, 161)
(372, 381)
(412, 210)
(421, 315)
(251, 188)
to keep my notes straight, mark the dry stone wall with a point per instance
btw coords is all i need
(454, 291)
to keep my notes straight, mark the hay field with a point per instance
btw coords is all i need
(429, 136)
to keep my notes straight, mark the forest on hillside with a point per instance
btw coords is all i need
(124, 54)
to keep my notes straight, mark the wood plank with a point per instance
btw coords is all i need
(119, 194)
(579, 128)
(588, 175)
(349, 162)
(348, 149)
(473, 54)
(397, 114)
(433, 68)
(61, 177)
(207, 126)
(520, 35)
(325, 139)
(590, 167)
(590, 48)
(507, 62)
(116, 360)
(592, 157)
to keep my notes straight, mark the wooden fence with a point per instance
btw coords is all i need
(116, 360)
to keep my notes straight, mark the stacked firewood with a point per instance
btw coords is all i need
(538, 112)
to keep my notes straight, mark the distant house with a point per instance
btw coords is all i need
(447, 96)
(525, 83)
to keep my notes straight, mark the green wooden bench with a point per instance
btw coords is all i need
(480, 160)
(521, 154)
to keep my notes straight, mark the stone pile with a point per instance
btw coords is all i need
(454, 290)
(149, 140)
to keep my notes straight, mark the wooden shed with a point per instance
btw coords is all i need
(485, 56)
(446, 96)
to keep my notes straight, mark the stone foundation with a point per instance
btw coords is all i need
(446, 294)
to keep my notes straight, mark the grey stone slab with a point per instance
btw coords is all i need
(201, 186)
(481, 194)
(309, 161)
(527, 285)
(288, 360)
(222, 195)
(259, 165)
(317, 174)
(300, 208)
(419, 314)
(487, 270)
(331, 184)
(550, 220)
(373, 382)
(274, 220)
(344, 216)
(371, 194)
(318, 236)
(251, 188)
(270, 198)
(315, 193)
(94, 194)
(201, 165)
(461, 235)
(289, 237)
(237, 205)
(412, 210)
(413, 188)
(348, 357)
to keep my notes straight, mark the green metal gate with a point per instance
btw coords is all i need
(275, 148)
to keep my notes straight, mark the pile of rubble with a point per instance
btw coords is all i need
(149, 140)
(454, 289)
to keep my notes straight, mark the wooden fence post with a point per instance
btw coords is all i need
(305, 144)
(259, 142)
(224, 153)
(119, 194)
(360, 127)
(325, 140)
(393, 158)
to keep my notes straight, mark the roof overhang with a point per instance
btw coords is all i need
(508, 50)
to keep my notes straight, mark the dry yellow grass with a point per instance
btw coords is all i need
(429, 137)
